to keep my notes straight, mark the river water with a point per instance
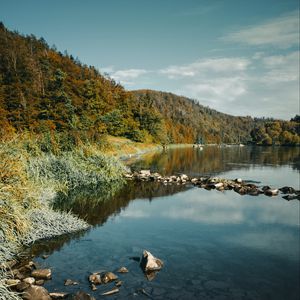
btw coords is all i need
(215, 245)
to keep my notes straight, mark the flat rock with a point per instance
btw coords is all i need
(12, 282)
(36, 293)
(41, 274)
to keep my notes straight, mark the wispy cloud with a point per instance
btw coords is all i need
(126, 76)
(217, 65)
(282, 32)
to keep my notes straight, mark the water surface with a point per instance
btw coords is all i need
(215, 245)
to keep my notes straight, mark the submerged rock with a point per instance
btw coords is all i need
(70, 282)
(41, 274)
(83, 296)
(36, 293)
(150, 262)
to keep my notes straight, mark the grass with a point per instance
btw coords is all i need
(31, 177)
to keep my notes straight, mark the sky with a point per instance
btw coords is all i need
(236, 56)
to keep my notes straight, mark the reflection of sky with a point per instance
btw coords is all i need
(262, 223)
(213, 207)
(268, 175)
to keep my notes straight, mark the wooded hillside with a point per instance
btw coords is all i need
(64, 101)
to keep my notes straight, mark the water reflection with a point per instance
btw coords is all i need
(215, 245)
(96, 205)
(213, 160)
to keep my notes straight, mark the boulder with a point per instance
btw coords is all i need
(41, 274)
(36, 293)
(150, 262)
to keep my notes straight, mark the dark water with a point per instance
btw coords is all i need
(215, 245)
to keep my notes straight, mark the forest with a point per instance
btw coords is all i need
(63, 102)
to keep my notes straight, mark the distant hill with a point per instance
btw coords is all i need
(53, 95)
(186, 120)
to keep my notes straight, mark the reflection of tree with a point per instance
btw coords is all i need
(213, 160)
(97, 205)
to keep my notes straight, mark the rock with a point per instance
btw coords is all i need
(95, 278)
(111, 292)
(22, 286)
(270, 192)
(150, 263)
(266, 187)
(70, 282)
(118, 283)
(58, 295)
(238, 180)
(12, 282)
(108, 277)
(29, 280)
(40, 282)
(93, 287)
(41, 274)
(287, 190)
(123, 270)
(83, 296)
(45, 256)
(145, 172)
(219, 185)
(184, 177)
(36, 293)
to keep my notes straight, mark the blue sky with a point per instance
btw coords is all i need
(239, 57)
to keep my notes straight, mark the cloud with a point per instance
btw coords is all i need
(125, 76)
(216, 65)
(282, 32)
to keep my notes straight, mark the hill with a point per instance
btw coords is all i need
(65, 102)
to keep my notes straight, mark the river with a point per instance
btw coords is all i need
(214, 245)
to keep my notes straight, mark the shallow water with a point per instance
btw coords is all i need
(215, 245)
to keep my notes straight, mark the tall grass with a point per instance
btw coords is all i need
(31, 173)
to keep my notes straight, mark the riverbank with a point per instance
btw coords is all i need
(31, 177)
